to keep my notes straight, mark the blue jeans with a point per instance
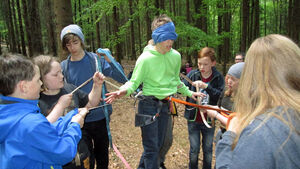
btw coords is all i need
(153, 135)
(195, 131)
(167, 142)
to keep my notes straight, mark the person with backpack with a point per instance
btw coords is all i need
(79, 67)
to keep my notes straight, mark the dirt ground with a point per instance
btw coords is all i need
(127, 138)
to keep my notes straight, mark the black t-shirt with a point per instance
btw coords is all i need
(47, 102)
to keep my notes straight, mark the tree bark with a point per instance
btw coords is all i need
(35, 31)
(98, 35)
(52, 46)
(18, 46)
(132, 37)
(148, 22)
(10, 27)
(256, 20)
(116, 30)
(227, 22)
(220, 29)
(23, 45)
(245, 16)
(63, 17)
(27, 27)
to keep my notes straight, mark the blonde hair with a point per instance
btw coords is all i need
(160, 20)
(270, 78)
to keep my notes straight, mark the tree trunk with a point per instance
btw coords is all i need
(174, 8)
(227, 22)
(35, 31)
(188, 19)
(162, 4)
(140, 36)
(118, 53)
(148, 22)
(132, 38)
(203, 17)
(15, 26)
(0, 43)
(63, 17)
(245, 16)
(27, 28)
(52, 48)
(91, 31)
(220, 29)
(296, 19)
(79, 11)
(256, 33)
(98, 36)
(197, 4)
(10, 27)
(23, 45)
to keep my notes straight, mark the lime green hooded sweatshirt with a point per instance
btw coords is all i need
(159, 74)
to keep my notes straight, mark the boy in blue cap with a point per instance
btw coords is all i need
(79, 67)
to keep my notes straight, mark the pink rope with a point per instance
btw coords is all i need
(121, 157)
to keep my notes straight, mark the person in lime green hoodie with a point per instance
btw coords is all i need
(158, 69)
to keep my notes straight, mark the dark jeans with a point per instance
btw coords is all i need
(97, 134)
(167, 142)
(195, 131)
(153, 135)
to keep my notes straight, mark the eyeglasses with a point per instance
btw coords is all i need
(238, 59)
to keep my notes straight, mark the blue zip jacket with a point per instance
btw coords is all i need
(29, 141)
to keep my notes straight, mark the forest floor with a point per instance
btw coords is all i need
(127, 138)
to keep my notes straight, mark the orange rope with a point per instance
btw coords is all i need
(223, 112)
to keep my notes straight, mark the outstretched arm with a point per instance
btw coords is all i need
(95, 94)
(115, 95)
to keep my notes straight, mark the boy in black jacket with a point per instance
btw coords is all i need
(211, 84)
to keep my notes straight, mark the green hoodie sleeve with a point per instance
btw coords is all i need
(136, 79)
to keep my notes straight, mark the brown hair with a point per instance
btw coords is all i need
(44, 63)
(207, 52)
(67, 38)
(13, 69)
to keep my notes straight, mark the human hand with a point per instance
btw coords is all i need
(79, 118)
(200, 84)
(114, 95)
(104, 55)
(217, 115)
(65, 100)
(199, 94)
(98, 78)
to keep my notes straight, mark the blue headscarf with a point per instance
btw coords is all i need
(164, 32)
